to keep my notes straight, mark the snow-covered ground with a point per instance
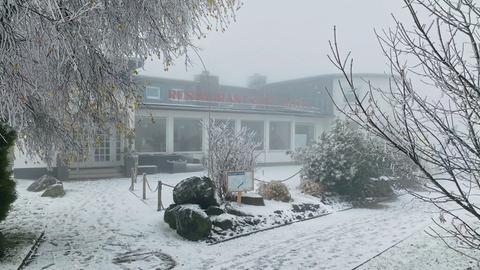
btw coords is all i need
(101, 225)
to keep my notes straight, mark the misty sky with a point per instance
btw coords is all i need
(285, 39)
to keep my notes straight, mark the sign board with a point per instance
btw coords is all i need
(239, 181)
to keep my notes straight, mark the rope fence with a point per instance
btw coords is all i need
(158, 189)
(284, 180)
(146, 185)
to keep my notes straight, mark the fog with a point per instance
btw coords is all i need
(289, 39)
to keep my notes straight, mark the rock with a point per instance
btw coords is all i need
(214, 211)
(195, 190)
(278, 212)
(224, 222)
(42, 183)
(252, 199)
(192, 222)
(304, 207)
(169, 216)
(54, 191)
(251, 221)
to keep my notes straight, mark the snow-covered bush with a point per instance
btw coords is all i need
(344, 160)
(312, 188)
(275, 190)
(228, 150)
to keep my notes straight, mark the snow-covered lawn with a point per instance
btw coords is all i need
(100, 224)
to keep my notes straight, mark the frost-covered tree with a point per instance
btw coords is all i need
(438, 129)
(66, 65)
(228, 151)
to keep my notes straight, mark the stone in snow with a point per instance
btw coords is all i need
(43, 183)
(54, 191)
(169, 216)
(192, 222)
(195, 190)
(224, 221)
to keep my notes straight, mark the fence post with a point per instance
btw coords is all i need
(159, 202)
(132, 177)
(144, 186)
(135, 167)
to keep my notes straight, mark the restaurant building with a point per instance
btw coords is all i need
(170, 136)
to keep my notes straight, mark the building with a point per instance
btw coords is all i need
(168, 125)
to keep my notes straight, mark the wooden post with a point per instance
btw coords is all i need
(135, 171)
(132, 185)
(159, 202)
(239, 197)
(144, 196)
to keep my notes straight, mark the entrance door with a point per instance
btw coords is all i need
(106, 152)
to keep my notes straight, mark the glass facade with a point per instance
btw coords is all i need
(259, 128)
(187, 135)
(280, 135)
(304, 135)
(150, 134)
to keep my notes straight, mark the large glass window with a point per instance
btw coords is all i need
(187, 135)
(280, 135)
(258, 128)
(304, 135)
(150, 134)
(228, 124)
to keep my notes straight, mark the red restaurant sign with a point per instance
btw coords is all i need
(182, 95)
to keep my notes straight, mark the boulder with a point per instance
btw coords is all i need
(195, 190)
(253, 199)
(169, 216)
(305, 207)
(54, 191)
(192, 222)
(42, 183)
(214, 211)
(224, 222)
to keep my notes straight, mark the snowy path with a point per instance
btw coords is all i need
(98, 221)
(339, 241)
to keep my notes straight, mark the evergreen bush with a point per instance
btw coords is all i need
(7, 184)
(344, 160)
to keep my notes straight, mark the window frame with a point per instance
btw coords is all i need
(289, 147)
(201, 135)
(262, 147)
(165, 128)
(157, 96)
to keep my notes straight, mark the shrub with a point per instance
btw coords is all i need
(378, 187)
(7, 184)
(228, 150)
(275, 190)
(312, 188)
(345, 159)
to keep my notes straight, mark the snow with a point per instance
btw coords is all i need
(101, 223)
(194, 208)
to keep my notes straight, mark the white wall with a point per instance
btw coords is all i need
(23, 161)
